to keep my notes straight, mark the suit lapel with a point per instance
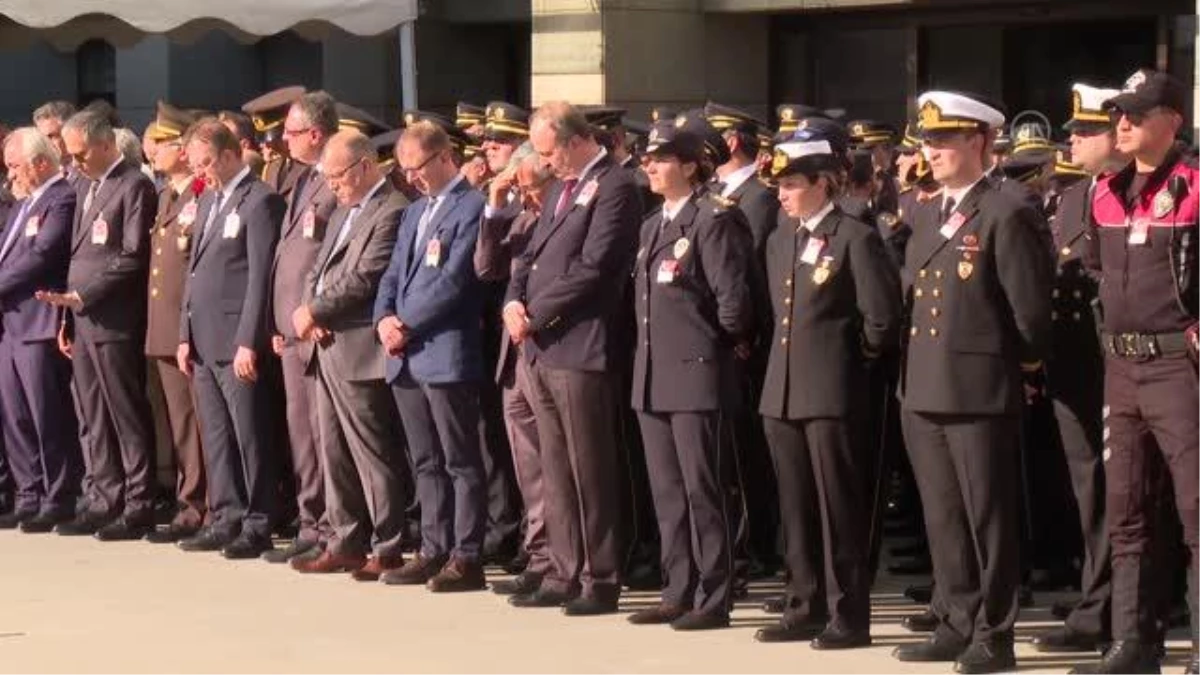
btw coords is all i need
(110, 186)
(676, 229)
(554, 222)
(216, 227)
(932, 240)
(305, 193)
(440, 217)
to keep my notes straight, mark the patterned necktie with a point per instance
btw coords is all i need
(91, 196)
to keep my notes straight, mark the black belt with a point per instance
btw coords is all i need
(1143, 346)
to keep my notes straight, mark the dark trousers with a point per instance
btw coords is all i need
(40, 435)
(1151, 408)
(683, 462)
(820, 461)
(366, 477)
(521, 423)
(190, 485)
(303, 439)
(503, 530)
(441, 422)
(1078, 418)
(966, 468)
(110, 381)
(577, 421)
(756, 527)
(236, 435)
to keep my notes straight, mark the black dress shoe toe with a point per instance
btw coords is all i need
(206, 540)
(1125, 656)
(841, 638)
(299, 548)
(584, 606)
(1062, 609)
(246, 548)
(925, 622)
(701, 621)
(911, 567)
(1065, 640)
(171, 534)
(526, 582)
(45, 522)
(122, 529)
(83, 525)
(790, 631)
(14, 519)
(775, 605)
(935, 649)
(983, 657)
(919, 593)
(541, 598)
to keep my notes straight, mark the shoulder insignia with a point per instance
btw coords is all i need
(721, 203)
(888, 220)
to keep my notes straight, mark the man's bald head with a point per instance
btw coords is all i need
(348, 163)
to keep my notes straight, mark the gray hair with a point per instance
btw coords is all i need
(130, 146)
(523, 150)
(54, 110)
(93, 126)
(354, 142)
(320, 110)
(34, 145)
(541, 171)
(565, 119)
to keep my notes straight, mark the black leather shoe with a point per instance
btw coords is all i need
(925, 622)
(1125, 656)
(910, 567)
(541, 598)
(14, 519)
(787, 630)
(937, 648)
(84, 524)
(206, 540)
(659, 614)
(582, 606)
(987, 657)
(1065, 640)
(775, 604)
(246, 547)
(517, 565)
(701, 621)
(839, 637)
(298, 548)
(45, 522)
(1062, 609)
(916, 550)
(124, 529)
(171, 534)
(525, 582)
(645, 577)
(919, 593)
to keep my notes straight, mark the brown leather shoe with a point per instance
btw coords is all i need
(664, 613)
(458, 575)
(328, 563)
(415, 572)
(376, 566)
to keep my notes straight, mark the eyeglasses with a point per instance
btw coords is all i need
(414, 169)
(295, 132)
(339, 175)
(1135, 118)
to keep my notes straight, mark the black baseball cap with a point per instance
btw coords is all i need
(1148, 89)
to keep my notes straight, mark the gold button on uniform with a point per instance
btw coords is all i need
(154, 271)
(786, 321)
(922, 273)
(1054, 293)
(913, 331)
(937, 292)
(787, 282)
(920, 293)
(533, 266)
(783, 341)
(937, 274)
(154, 292)
(933, 332)
(787, 301)
(158, 251)
(1075, 315)
(1054, 316)
(1078, 295)
(935, 312)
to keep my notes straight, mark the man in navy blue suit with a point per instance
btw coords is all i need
(427, 318)
(35, 396)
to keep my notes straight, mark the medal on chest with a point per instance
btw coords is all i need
(823, 271)
(1164, 203)
(187, 216)
(100, 231)
(950, 228)
(433, 253)
(681, 247)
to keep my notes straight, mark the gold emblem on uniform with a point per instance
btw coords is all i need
(680, 121)
(410, 118)
(821, 274)
(1076, 103)
(653, 135)
(1164, 203)
(183, 242)
(965, 269)
(857, 130)
(930, 114)
(499, 113)
(787, 114)
(779, 162)
(681, 247)
(888, 220)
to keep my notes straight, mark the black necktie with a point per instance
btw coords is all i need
(948, 208)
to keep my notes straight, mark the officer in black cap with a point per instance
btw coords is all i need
(470, 118)
(878, 139)
(693, 306)
(979, 297)
(267, 112)
(1143, 234)
(836, 301)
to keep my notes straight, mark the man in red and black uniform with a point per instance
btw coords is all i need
(1145, 228)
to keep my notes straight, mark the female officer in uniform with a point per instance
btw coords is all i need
(693, 305)
(836, 300)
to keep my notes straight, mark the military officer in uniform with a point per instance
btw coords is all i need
(267, 112)
(878, 140)
(693, 307)
(169, 255)
(1075, 371)
(1144, 229)
(836, 301)
(980, 307)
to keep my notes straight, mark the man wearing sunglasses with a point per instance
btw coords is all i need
(1144, 229)
(310, 122)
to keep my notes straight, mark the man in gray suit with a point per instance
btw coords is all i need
(365, 469)
(223, 334)
(310, 122)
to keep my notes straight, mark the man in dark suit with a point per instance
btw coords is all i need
(310, 122)
(427, 318)
(503, 237)
(169, 256)
(104, 331)
(35, 397)
(222, 336)
(563, 305)
(366, 474)
(980, 299)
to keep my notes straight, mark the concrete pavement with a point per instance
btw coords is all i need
(79, 605)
